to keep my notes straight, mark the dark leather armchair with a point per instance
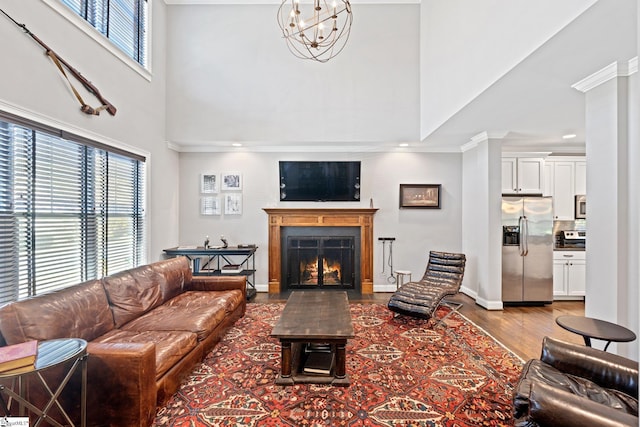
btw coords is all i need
(574, 385)
(442, 279)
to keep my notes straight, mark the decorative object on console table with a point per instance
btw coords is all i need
(424, 196)
(231, 268)
(18, 357)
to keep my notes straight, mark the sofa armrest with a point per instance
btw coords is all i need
(549, 406)
(121, 384)
(605, 369)
(217, 283)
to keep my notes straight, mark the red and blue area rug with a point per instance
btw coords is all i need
(403, 371)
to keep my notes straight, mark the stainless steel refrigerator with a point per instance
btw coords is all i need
(527, 250)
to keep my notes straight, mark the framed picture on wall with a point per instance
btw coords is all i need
(210, 205)
(231, 181)
(233, 204)
(208, 183)
(424, 196)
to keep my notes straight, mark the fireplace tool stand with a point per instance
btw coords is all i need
(385, 261)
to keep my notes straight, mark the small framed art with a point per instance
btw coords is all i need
(233, 204)
(210, 205)
(208, 183)
(425, 196)
(231, 181)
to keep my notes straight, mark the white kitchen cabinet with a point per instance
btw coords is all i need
(547, 190)
(522, 175)
(569, 274)
(581, 177)
(563, 190)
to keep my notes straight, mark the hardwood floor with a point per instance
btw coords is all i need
(520, 329)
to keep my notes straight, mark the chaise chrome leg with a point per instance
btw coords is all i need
(453, 305)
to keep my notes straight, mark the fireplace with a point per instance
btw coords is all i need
(320, 258)
(360, 219)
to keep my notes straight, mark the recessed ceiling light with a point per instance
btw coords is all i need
(237, 144)
(404, 144)
(569, 136)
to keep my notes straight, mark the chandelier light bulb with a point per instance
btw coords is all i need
(324, 31)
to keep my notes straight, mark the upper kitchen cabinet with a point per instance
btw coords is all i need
(581, 177)
(565, 177)
(522, 175)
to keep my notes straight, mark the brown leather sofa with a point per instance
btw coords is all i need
(146, 328)
(574, 385)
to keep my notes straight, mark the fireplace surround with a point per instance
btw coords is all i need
(362, 218)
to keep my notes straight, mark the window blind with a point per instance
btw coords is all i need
(124, 22)
(69, 212)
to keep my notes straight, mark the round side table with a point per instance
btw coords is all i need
(50, 353)
(595, 328)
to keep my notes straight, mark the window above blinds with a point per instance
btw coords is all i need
(123, 22)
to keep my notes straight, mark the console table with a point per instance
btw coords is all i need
(209, 261)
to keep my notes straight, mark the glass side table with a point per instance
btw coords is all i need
(50, 353)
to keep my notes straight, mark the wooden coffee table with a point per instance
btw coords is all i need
(313, 317)
(595, 328)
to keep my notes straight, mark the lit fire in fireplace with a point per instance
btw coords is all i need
(330, 272)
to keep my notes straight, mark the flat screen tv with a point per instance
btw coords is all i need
(320, 181)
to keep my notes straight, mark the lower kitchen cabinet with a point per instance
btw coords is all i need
(569, 274)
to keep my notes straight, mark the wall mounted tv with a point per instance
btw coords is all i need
(320, 181)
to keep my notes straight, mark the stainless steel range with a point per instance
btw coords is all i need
(571, 239)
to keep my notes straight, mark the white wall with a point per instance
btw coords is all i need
(32, 87)
(612, 248)
(467, 46)
(417, 231)
(232, 78)
(481, 221)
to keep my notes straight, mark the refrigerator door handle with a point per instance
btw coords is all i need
(525, 235)
(521, 235)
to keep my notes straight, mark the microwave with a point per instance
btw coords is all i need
(581, 206)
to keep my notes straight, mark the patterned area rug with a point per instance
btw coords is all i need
(403, 373)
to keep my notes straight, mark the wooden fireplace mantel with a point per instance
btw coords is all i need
(313, 217)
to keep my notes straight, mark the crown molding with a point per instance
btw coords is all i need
(270, 147)
(272, 2)
(611, 71)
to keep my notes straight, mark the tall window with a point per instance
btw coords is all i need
(69, 212)
(124, 22)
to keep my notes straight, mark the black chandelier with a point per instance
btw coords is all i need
(316, 30)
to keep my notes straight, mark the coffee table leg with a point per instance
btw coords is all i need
(341, 360)
(285, 363)
(587, 340)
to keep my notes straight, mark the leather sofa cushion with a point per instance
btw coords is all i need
(230, 300)
(176, 272)
(195, 311)
(171, 346)
(80, 311)
(133, 292)
(538, 371)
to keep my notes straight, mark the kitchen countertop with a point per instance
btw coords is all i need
(559, 249)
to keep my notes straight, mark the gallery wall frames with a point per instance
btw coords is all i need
(212, 183)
